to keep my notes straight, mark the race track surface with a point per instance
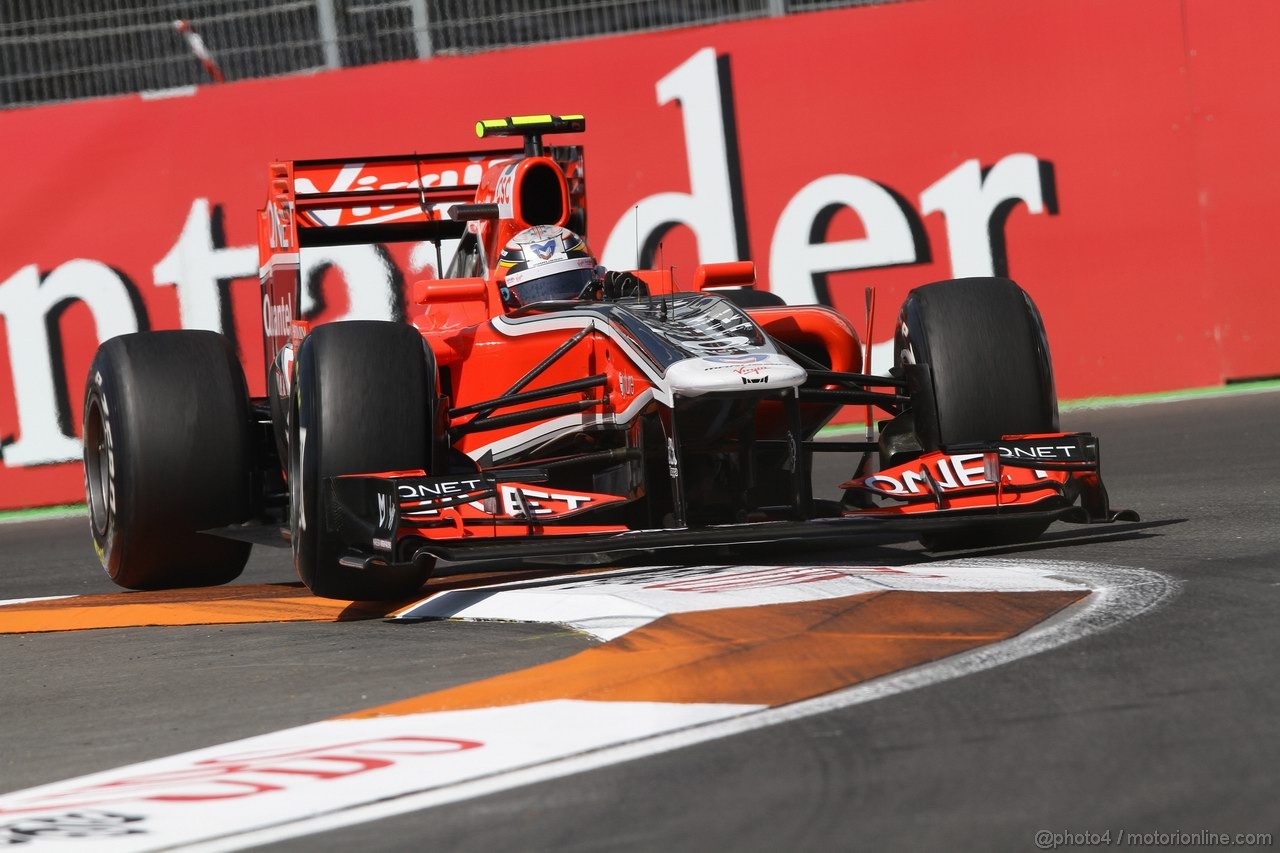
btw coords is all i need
(1163, 722)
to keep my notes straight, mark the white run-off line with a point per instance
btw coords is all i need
(342, 772)
(9, 601)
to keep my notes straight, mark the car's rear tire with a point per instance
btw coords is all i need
(167, 453)
(362, 394)
(990, 375)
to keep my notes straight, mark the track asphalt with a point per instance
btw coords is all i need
(1163, 724)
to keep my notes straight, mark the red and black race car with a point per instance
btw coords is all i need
(506, 421)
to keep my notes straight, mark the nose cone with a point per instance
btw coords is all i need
(716, 374)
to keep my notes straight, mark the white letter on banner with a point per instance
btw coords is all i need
(367, 274)
(424, 256)
(26, 306)
(708, 209)
(195, 265)
(968, 200)
(798, 254)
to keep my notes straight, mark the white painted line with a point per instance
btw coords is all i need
(9, 601)
(1121, 594)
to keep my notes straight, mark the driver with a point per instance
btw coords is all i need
(546, 262)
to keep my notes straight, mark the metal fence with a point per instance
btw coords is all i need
(60, 50)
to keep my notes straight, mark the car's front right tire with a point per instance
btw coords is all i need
(990, 374)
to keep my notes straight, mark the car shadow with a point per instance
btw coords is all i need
(468, 584)
(904, 549)
(1089, 535)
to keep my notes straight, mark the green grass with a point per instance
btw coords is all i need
(1170, 396)
(43, 512)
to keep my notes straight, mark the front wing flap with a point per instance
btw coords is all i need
(1011, 474)
(376, 513)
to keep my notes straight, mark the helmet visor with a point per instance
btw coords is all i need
(568, 284)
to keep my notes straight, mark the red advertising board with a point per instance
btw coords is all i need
(1109, 157)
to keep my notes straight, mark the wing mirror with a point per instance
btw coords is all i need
(435, 291)
(728, 274)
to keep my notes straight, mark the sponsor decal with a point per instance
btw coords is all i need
(240, 775)
(949, 472)
(540, 503)
(502, 191)
(386, 511)
(1046, 452)
(474, 495)
(1022, 460)
(276, 319)
(440, 488)
(426, 500)
(87, 823)
(110, 444)
(357, 177)
(280, 216)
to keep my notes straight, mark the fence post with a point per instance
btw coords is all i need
(328, 26)
(421, 33)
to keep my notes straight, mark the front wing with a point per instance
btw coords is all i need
(407, 518)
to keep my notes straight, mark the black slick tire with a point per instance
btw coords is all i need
(167, 453)
(988, 356)
(362, 393)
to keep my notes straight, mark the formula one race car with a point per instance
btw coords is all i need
(504, 420)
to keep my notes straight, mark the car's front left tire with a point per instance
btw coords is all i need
(362, 393)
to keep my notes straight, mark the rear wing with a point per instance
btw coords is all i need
(407, 197)
(370, 200)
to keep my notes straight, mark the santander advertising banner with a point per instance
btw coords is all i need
(1113, 158)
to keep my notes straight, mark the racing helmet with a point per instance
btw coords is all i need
(544, 262)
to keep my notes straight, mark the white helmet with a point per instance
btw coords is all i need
(545, 262)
